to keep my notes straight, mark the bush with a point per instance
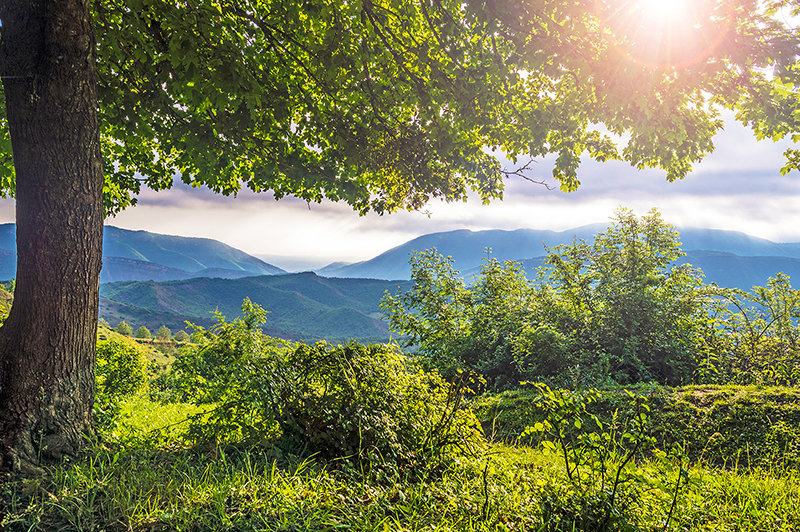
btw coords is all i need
(143, 333)
(181, 336)
(124, 329)
(366, 403)
(618, 310)
(163, 334)
(121, 371)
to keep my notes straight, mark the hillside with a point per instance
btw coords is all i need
(302, 306)
(141, 255)
(727, 258)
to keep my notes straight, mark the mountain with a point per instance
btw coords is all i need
(302, 306)
(735, 271)
(724, 269)
(728, 258)
(468, 249)
(141, 255)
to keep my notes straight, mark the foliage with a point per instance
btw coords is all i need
(143, 333)
(181, 336)
(757, 340)
(121, 368)
(616, 310)
(385, 105)
(600, 494)
(635, 315)
(121, 371)
(434, 314)
(163, 334)
(723, 426)
(124, 329)
(366, 403)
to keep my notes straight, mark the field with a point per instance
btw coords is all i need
(146, 476)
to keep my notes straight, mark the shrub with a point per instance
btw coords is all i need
(121, 371)
(163, 334)
(181, 336)
(124, 329)
(618, 310)
(143, 333)
(121, 368)
(367, 403)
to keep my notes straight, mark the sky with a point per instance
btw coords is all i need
(738, 187)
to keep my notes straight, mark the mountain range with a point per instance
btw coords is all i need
(141, 255)
(302, 306)
(728, 258)
(151, 279)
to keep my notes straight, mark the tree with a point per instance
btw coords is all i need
(181, 336)
(124, 329)
(637, 316)
(618, 307)
(382, 104)
(163, 334)
(143, 333)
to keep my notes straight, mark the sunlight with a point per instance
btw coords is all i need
(663, 12)
(665, 33)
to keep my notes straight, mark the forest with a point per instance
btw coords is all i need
(615, 391)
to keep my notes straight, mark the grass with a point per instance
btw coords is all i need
(146, 483)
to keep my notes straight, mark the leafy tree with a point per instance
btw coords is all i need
(380, 104)
(756, 339)
(636, 315)
(181, 336)
(434, 315)
(163, 334)
(143, 333)
(124, 329)
(618, 308)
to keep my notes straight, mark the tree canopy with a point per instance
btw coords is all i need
(384, 104)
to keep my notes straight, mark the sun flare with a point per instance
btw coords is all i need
(665, 33)
(663, 12)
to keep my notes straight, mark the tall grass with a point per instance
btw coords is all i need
(158, 484)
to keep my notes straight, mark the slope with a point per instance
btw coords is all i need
(302, 306)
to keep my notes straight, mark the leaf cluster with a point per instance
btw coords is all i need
(367, 404)
(385, 104)
(615, 310)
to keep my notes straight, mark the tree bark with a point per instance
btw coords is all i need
(47, 344)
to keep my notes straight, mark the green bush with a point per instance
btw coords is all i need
(121, 371)
(121, 368)
(617, 310)
(181, 336)
(124, 329)
(143, 333)
(366, 403)
(163, 334)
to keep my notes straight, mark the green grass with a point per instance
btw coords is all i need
(155, 483)
(725, 426)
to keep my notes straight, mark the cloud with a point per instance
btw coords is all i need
(739, 187)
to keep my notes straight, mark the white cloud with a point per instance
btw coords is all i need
(738, 187)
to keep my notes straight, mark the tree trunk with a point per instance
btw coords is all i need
(47, 344)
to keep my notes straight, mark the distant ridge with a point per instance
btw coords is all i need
(728, 258)
(141, 255)
(302, 306)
